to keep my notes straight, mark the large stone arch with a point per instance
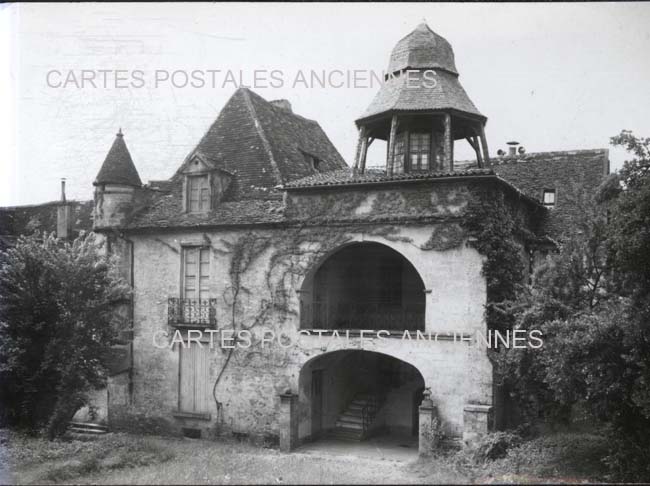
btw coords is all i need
(359, 283)
(356, 239)
(336, 389)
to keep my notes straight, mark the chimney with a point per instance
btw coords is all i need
(512, 152)
(282, 104)
(63, 216)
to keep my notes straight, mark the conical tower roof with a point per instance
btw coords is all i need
(422, 49)
(118, 167)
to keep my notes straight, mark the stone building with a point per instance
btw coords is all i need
(340, 301)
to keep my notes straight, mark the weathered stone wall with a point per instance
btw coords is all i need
(258, 276)
(266, 298)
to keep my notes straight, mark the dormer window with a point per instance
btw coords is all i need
(548, 197)
(205, 184)
(198, 193)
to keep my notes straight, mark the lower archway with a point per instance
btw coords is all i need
(357, 395)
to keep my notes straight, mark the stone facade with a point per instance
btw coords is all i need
(287, 297)
(260, 278)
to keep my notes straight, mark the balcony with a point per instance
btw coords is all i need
(356, 316)
(192, 313)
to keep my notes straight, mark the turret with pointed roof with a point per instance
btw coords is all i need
(118, 167)
(116, 187)
(421, 109)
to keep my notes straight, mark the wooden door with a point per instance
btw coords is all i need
(193, 393)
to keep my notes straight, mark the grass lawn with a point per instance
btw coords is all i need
(123, 458)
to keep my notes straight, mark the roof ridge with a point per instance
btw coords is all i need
(262, 135)
(530, 156)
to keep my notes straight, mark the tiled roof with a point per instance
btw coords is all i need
(165, 210)
(348, 177)
(24, 220)
(422, 48)
(118, 167)
(414, 92)
(264, 145)
(563, 171)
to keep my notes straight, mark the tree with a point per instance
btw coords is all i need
(592, 303)
(630, 217)
(57, 324)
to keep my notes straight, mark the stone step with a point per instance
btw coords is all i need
(358, 403)
(345, 433)
(348, 417)
(78, 430)
(349, 425)
(87, 428)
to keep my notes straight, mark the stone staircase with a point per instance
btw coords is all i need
(349, 424)
(87, 428)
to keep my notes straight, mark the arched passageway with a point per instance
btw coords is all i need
(356, 394)
(364, 286)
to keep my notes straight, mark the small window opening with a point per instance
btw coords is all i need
(549, 197)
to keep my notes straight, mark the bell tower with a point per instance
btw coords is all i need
(421, 110)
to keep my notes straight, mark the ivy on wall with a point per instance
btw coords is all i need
(496, 230)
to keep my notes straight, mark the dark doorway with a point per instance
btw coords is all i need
(316, 403)
(358, 395)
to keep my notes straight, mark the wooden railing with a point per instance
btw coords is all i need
(192, 312)
(376, 316)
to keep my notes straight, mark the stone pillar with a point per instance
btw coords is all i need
(391, 146)
(476, 421)
(363, 154)
(357, 156)
(428, 413)
(484, 145)
(288, 421)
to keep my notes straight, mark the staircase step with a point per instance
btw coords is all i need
(77, 430)
(345, 433)
(358, 403)
(349, 425)
(346, 417)
(87, 428)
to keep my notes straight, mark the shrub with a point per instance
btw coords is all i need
(57, 323)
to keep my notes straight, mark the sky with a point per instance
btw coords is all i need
(551, 76)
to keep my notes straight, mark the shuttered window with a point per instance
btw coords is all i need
(194, 389)
(196, 272)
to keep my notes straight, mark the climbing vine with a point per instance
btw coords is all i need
(496, 231)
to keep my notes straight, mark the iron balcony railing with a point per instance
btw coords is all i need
(374, 315)
(192, 312)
